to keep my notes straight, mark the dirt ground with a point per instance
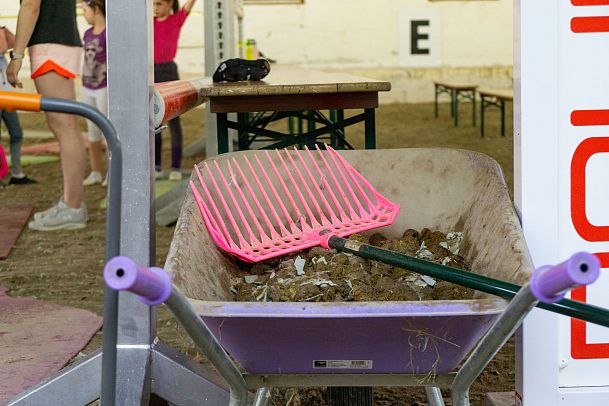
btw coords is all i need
(65, 267)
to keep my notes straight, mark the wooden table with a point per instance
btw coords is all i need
(494, 98)
(295, 92)
(463, 91)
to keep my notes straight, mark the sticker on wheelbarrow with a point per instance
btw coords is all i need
(342, 364)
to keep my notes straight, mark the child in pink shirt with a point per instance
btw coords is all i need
(168, 21)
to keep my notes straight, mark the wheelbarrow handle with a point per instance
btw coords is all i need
(152, 285)
(592, 314)
(550, 283)
(11, 101)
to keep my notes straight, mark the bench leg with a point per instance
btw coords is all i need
(481, 116)
(436, 100)
(474, 108)
(456, 98)
(370, 129)
(333, 135)
(502, 118)
(340, 116)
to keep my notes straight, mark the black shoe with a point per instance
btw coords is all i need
(21, 181)
(235, 70)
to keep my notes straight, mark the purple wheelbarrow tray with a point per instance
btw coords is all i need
(443, 189)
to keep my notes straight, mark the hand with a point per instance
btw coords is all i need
(12, 72)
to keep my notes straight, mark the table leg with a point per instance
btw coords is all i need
(242, 119)
(370, 129)
(456, 95)
(481, 115)
(222, 124)
(299, 125)
(310, 121)
(502, 118)
(452, 93)
(340, 116)
(474, 107)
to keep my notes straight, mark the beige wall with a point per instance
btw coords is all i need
(364, 33)
(363, 37)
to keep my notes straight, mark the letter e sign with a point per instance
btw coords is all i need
(419, 33)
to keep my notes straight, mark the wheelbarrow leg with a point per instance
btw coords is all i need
(434, 396)
(263, 397)
(491, 343)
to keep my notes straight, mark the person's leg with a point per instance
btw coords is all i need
(175, 129)
(158, 145)
(159, 76)
(65, 129)
(176, 143)
(15, 140)
(95, 150)
(93, 134)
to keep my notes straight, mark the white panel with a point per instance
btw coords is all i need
(582, 83)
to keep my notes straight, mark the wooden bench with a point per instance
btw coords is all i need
(456, 91)
(494, 98)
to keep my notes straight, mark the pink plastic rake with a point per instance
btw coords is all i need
(279, 202)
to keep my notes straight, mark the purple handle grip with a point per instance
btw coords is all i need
(551, 283)
(152, 285)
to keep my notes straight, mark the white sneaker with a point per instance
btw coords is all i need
(41, 214)
(61, 217)
(93, 179)
(158, 174)
(175, 175)
(105, 182)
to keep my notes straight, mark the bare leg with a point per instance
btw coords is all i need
(65, 129)
(95, 153)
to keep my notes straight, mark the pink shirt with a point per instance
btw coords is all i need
(166, 34)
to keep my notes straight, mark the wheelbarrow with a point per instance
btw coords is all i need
(423, 342)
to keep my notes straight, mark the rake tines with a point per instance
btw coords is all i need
(285, 201)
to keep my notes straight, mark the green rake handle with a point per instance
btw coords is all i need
(589, 313)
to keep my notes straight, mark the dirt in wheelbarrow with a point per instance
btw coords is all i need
(321, 275)
(65, 267)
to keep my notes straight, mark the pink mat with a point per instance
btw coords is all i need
(47, 148)
(38, 339)
(51, 148)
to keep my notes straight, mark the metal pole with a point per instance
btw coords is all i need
(491, 343)
(434, 396)
(263, 396)
(130, 97)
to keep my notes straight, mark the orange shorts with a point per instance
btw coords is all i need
(62, 59)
